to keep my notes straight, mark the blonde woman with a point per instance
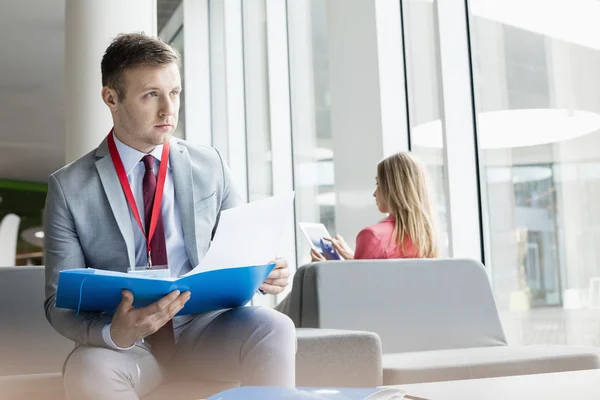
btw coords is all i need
(409, 231)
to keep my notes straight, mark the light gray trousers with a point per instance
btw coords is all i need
(246, 345)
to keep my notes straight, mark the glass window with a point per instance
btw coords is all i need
(537, 87)
(311, 126)
(177, 44)
(256, 82)
(165, 9)
(424, 101)
(169, 24)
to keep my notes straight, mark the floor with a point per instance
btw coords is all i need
(553, 326)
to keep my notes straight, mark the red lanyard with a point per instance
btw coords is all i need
(160, 186)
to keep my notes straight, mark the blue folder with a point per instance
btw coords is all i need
(306, 393)
(96, 290)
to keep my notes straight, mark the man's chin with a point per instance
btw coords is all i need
(162, 138)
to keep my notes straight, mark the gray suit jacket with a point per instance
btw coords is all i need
(87, 222)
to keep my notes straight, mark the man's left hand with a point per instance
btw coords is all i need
(278, 279)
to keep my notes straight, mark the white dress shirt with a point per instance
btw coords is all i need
(179, 262)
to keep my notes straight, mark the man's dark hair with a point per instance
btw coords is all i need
(131, 50)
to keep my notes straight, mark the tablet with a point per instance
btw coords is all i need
(314, 232)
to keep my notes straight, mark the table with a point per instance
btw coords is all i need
(580, 385)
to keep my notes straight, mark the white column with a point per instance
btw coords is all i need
(280, 119)
(279, 96)
(256, 87)
(258, 128)
(227, 94)
(218, 81)
(90, 26)
(460, 148)
(368, 106)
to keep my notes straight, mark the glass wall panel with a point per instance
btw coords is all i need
(169, 24)
(177, 43)
(423, 83)
(537, 86)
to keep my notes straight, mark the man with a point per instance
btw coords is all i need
(99, 213)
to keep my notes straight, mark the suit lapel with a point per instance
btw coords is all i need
(116, 199)
(184, 196)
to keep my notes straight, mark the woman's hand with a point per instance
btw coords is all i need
(316, 256)
(340, 245)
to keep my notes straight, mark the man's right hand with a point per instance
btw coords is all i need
(130, 324)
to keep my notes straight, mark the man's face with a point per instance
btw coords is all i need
(148, 113)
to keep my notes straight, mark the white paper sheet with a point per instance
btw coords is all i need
(249, 234)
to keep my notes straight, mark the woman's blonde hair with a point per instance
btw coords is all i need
(404, 186)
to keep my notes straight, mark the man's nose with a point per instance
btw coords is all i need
(167, 107)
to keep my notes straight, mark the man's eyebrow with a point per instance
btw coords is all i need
(149, 87)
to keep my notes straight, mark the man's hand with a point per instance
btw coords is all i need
(278, 279)
(130, 324)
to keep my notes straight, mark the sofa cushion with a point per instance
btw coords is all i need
(485, 362)
(331, 357)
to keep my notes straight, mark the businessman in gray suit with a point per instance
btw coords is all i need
(99, 213)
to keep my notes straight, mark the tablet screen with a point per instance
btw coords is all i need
(314, 232)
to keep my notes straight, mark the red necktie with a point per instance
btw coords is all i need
(163, 340)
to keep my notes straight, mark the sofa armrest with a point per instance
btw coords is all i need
(338, 358)
(32, 387)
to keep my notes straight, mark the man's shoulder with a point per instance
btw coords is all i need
(198, 153)
(78, 169)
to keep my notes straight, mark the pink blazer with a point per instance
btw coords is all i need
(376, 242)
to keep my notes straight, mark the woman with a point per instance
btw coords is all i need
(409, 231)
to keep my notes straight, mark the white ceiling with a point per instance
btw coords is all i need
(32, 122)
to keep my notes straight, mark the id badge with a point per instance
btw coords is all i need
(157, 271)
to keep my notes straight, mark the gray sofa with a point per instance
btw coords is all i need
(437, 319)
(32, 353)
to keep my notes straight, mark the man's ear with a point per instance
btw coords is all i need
(110, 98)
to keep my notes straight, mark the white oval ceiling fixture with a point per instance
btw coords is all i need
(517, 128)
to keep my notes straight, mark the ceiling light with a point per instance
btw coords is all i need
(517, 128)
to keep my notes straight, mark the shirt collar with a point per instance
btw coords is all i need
(131, 157)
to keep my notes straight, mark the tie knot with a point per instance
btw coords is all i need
(148, 162)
